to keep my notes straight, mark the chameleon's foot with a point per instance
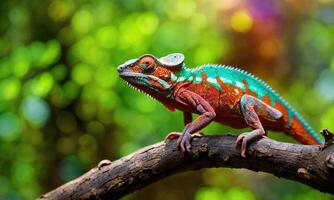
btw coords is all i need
(184, 142)
(247, 137)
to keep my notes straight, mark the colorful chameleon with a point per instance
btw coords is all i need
(216, 93)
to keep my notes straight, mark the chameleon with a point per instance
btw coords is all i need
(219, 93)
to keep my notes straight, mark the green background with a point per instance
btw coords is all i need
(63, 107)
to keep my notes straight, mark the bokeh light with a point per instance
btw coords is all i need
(9, 126)
(35, 111)
(241, 21)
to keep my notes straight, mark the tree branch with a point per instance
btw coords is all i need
(308, 164)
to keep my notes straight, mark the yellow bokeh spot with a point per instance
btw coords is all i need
(326, 1)
(241, 21)
(59, 10)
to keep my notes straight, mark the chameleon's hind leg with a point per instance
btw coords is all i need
(251, 109)
(187, 118)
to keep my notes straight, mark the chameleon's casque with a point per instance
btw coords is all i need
(217, 93)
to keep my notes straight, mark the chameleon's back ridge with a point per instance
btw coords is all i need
(295, 124)
(224, 94)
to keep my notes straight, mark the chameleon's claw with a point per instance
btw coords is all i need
(241, 137)
(247, 137)
(197, 135)
(172, 136)
(183, 141)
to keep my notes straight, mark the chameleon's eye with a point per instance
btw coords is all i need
(147, 64)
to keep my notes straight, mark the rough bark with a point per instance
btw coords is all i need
(308, 164)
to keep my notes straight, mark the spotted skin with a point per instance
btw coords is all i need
(218, 93)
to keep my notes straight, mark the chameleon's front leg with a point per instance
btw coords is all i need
(207, 114)
(187, 118)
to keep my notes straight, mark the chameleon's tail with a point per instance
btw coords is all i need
(298, 128)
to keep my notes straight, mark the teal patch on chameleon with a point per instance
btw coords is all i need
(230, 76)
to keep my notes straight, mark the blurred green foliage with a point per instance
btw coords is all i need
(63, 107)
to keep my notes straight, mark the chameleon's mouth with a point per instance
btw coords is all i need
(126, 75)
(136, 79)
(145, 83)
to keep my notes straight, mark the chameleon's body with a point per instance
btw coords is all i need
(217, 93)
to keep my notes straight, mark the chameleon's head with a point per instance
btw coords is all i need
(150, 74)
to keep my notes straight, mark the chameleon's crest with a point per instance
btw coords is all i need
(172, 60)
